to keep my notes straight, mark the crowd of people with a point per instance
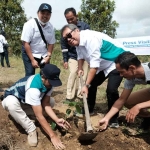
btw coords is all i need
(92, 54)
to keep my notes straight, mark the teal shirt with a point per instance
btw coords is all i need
(109, 51)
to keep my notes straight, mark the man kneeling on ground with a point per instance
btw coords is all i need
(129, 66)
(35, 91)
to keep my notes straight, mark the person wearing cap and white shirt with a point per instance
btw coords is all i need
(33, 48)
(35, 91)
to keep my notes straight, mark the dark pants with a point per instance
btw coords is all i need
(29, 69)
(5, 55)
(114, 81)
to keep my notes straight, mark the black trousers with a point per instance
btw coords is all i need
(114, 80)
(5, 55)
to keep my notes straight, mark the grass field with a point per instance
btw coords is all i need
(9, 75)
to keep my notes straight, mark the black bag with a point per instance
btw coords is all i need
(5, 46)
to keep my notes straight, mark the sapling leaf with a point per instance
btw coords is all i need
(53, 125)
(68, 111)
(78, 109)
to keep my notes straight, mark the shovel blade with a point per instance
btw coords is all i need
(85, 136)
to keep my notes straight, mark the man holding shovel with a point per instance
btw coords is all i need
(35, 91)
(99, 50)
(138, 103)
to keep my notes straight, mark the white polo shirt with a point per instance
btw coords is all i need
(89, 49)
(32, 35)
(2, 41)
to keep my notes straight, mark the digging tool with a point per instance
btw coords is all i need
(89, 134)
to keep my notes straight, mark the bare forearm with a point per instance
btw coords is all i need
(28, 50)
(115, 108)
(144, 105)
(80, 64)
(50, 49)
(46, 127)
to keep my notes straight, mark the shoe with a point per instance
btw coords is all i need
(32, 138)
(113, 123)
(145, 124)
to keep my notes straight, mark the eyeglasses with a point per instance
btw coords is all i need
(69, 35)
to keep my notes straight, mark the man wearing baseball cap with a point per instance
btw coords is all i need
(35, 91)
(34, 47)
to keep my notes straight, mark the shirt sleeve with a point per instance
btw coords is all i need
(33, 97)
(129, 84)
(27, 32)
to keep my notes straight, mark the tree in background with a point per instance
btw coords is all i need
(57, 35)
(98, 14)
(12, 18)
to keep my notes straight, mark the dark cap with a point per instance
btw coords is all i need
(45, 6)
(51, 72)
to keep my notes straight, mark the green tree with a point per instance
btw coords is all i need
(12, 18)
(98, 14)
(57, 35)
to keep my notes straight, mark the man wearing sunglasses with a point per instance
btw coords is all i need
(70, 56)
(99, 50)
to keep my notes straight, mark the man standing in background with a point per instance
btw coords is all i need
(70, 56)
(4, 49)
(34, 48)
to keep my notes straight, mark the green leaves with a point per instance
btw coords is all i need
(98, 14)
(53, 125)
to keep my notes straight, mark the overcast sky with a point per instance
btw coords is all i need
(133, 16)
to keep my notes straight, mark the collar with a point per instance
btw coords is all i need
(147, 71)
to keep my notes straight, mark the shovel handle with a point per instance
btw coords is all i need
(86, 109)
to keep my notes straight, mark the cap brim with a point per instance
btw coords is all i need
(55, 83)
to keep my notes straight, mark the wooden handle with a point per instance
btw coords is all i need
(86, 109)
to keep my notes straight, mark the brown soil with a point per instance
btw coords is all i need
(126, 137)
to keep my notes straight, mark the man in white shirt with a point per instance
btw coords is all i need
(35, 91)
(99, 50)
(34, 48)
(138, 103)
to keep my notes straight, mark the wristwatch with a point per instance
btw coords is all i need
(87, 85)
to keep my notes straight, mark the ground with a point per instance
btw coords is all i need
(13, 137)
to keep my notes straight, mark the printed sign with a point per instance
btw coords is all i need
(137, 45)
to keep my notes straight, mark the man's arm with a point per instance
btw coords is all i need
(29, 53)
(49, 53)
(115, 108)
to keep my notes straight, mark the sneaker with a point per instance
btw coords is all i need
(145, 124)
(113, 123)
(32, 138)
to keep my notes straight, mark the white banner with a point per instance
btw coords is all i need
(137, 45)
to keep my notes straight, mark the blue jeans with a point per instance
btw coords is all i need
(29, 69)
(114, 80)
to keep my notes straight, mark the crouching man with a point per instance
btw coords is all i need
(138, 103)
(35, 90)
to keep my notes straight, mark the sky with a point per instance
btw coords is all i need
(132, 15)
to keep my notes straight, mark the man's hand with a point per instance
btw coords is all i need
(103, 124)
(84, 90)
(34, 63)
(132, 113)
(57, 142)
(63, 123)
(47, 59)
(66, 65)
(80, 72)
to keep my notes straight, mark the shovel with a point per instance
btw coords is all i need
(89, 134)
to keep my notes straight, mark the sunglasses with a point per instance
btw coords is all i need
(69, 35)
